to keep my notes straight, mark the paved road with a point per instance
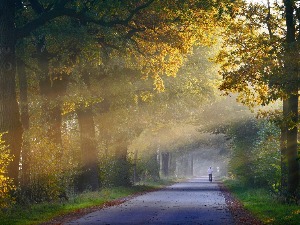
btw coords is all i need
(193, 202)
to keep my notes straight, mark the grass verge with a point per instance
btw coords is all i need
(41, 213)
(263, 205)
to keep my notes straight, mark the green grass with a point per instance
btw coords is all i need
(39, 213)
(264, 206)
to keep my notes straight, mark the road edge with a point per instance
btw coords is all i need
(239, 214)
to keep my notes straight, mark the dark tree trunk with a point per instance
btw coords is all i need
(52, 90)
(172, 164)
(283, 142)
(292, 149)
(135, 175)
(155, 160)
(122, 169)
(291, 60)
(158, 160)
(89, 178)
(22, 75)
(9, 111)
(55, 122)
(165, 157)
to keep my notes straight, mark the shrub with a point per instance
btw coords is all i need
(6, 184)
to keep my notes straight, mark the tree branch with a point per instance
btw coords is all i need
(139, 8)
(37, 7)
(268, 18)
(38, 22)
(133, 31)
(105, 44)
(59, 9)
(298, 18)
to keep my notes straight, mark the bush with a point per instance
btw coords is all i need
(115, 171)
(243, 135)
(267, 156)
(52, 172)
(6, 184)
(255, 154)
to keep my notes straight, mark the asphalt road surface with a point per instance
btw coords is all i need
(196, 201)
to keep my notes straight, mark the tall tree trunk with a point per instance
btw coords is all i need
(89, 179)
(155, 172)
(122, 169)
(135, 176)
(55, 121)
(52, 90)
(291, 61)
(283, 142)
(158, 160)
(165, 157)
(284, 126)
(22, 75)
(9, 111)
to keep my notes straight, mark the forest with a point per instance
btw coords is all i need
(98, 94)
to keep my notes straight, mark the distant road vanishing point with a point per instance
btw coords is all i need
(195, 201)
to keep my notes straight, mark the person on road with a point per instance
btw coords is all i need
(210, 171)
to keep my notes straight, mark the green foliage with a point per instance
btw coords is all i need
(252, 53)
(243, 135)
(52, 170)
(147, 167)
(259, 62)
(263, 205)
(42, 212)
(266, 152)
(115, 171)
(255, 157)
(150, 37)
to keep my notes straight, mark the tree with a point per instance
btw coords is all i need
(24, 110)
(292, 88)
(9, 114)
(113, 23)
(9, 111)
(260, 65)
(85, 115)
(15, 13)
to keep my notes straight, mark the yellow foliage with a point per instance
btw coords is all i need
(79, 102)
(6, 185)
(296, 212)
(146, 96)
(51, 169)
(251, 56)
(168, 36)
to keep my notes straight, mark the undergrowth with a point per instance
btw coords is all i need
(264, 205)
(42, 212)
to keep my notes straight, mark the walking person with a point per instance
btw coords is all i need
(210, 171)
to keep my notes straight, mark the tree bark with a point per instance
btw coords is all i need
(89, 178)
(135, 175)
(292, 148)
(122, 169)
(291, 60)
(283, 143)
(165, 156)
(9, 111)
(52, 90)
(22, 75)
